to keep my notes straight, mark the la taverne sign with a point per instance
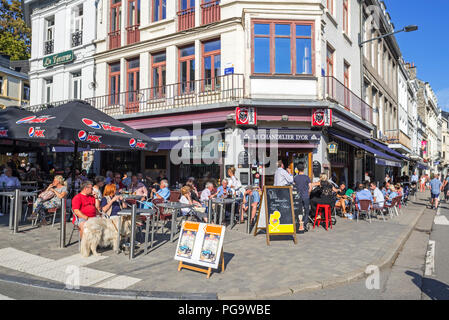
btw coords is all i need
(59, 58)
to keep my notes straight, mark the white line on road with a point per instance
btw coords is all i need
(441, 220)
(430, 259)
(61, 270)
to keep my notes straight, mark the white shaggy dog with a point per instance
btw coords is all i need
(102, 232)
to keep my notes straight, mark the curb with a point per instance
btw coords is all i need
(384, 262)
(112, 293)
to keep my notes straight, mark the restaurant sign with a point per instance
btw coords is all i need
(59, 58)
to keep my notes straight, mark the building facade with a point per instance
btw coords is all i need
(14, 83)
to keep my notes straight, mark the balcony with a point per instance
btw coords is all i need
(186, 19)
(398, 138)
(114, 40)
(49, 46)
(226, 88)
(337, 92)
(210, 11)
(77, 38)
(133, 34)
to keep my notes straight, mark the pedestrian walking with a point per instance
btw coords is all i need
(435, 190)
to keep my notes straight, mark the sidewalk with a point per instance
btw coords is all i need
(253, 270)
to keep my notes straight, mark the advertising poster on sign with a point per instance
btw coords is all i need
(200, 244)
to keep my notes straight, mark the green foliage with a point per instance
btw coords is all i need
(15, 36)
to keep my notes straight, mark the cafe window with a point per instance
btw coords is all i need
(211, 64)
(283, 47)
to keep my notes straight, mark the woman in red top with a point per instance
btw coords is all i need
(83, 205)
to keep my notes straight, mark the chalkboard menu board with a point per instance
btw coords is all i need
(276, 214)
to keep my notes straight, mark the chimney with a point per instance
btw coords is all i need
(4, 60)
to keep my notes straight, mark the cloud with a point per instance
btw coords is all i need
(443, 98)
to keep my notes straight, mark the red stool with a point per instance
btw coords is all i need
(327, 214)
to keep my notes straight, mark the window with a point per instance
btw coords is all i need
(133, 34)
(115, 24)
(159, 10)
(1, 85)
(211, 65)
(77, 26)
(26, 92)
(346, 16)
(187, 69)
(330, 62)
(48, 90)
(49, 35)
(133, 73)
(347, 96)
(330, 6)
(76, 85)
(282, 47)
(159, 67)
(114, 83)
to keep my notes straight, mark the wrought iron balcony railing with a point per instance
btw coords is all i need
(133, 34)
(77, 38)
(179, 95)
(338, 92)
(186, 19)
(210, 11)
(49, 47)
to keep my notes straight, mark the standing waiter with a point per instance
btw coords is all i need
(282, 177)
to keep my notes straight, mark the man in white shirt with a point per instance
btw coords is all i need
(207, 193)
(282, 177)
(8, 181)
(378, 196)
(414, 178)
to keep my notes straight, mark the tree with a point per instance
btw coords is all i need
(15, 35)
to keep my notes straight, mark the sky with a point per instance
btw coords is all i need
(428, 47)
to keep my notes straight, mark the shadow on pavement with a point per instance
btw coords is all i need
(434, 289)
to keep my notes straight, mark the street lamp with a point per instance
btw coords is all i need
(409, 28)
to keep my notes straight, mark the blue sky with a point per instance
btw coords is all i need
(428, 47)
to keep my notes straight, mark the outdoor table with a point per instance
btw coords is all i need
(133, 212)
(177, 206)
(222, 203)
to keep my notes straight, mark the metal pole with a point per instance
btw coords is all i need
(248, 220)
(209, 209)
(63, 224)
(133, 231)
(17, 210)
(11, 212)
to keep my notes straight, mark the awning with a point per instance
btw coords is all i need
(377, 154)
(422, 166)
(389, 150)
(387, 163)
(169, 139)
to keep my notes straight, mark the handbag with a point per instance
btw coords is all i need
(46, 195)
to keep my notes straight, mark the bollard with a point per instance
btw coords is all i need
(63, 223)
(248, 221)
(133, 232)
(17, 210)
(11, 212)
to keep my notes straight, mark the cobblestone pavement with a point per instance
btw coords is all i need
(253, 269)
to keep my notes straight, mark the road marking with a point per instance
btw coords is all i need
(441, 220)
(430, 258)
(56, 270)
(2, 297)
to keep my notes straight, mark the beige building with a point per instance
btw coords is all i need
(14, 83)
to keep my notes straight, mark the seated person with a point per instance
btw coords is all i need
(378, 197)
(138, 188)
(186, 198)
(59, 190)
(206, 194)
(111, 203)
(7, 181)
(341, 198)
(223, 191)
(83, 206)
(255, 200)
(163, 193)
(322, 194)
(363, 194)
(393, 194)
